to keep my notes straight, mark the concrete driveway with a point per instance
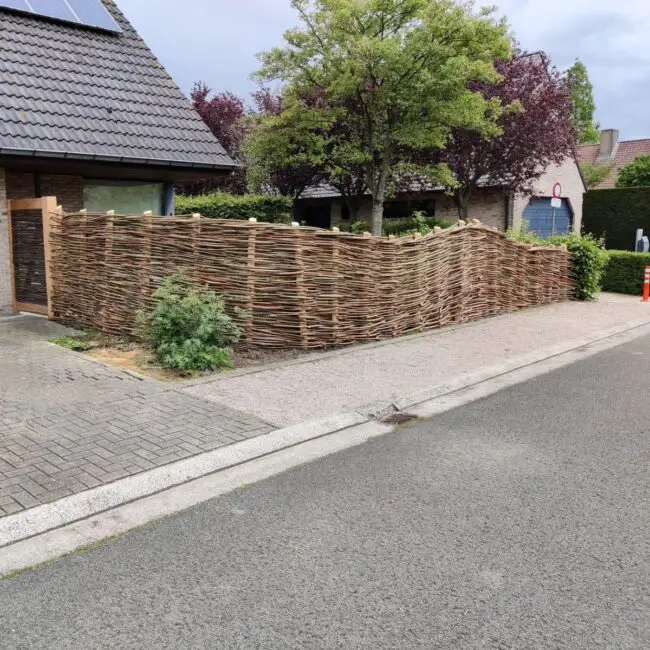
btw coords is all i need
(68, 424)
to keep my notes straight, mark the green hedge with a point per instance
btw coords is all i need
(395, 227)
(625, 272)
(220, 205)
(615, 215)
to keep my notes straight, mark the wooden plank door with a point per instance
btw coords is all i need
(30, 254)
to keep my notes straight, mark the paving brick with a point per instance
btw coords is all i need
(68, 424)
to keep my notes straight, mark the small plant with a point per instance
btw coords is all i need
(74, 343)
(189, 328)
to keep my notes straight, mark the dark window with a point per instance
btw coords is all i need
(405, 208)
(345, 212)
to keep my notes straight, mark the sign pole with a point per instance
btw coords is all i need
(646, 285)
(553, 229)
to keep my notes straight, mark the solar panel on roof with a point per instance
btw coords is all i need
(53, 9)
(91, 13)
(15, 4)
(94, 14)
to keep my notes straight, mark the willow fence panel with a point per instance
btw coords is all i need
(302, 287)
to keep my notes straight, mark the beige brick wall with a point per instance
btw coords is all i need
(6, 288)
(488, 205)
(573, 189)
(67, 189)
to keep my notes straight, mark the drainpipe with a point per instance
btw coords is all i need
(169, 200)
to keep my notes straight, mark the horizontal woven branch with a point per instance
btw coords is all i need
(303, 287)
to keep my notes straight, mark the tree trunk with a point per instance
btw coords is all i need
(462, 203)
(377, 217)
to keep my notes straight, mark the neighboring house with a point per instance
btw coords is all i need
(89, 115)
(324, 207)
(612, 152)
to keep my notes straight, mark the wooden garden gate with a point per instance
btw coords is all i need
(29, 246)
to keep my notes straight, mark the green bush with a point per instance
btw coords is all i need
(589, 259)
(220, 205)
(189, 328)
(625, 272)
(398, 227)
(615, 215)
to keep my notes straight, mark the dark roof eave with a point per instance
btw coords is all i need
(147, 162)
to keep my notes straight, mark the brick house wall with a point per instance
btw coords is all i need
(568, 174)
(488, 205)
(69, 190)
(6, 288)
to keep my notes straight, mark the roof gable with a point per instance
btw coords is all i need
(70, 91)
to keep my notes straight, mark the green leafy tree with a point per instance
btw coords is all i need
(595, 174)
(636, 174)
(584, 105)
(396, 73)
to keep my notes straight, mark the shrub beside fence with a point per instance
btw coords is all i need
(301, 287)
(625, 272)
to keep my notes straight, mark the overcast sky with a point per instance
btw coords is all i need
(216, 41)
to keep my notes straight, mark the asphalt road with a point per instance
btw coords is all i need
(521, 521)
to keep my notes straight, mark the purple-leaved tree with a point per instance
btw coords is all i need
(224, 114)
(537, 131)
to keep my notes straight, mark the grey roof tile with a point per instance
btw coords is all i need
(69, 89)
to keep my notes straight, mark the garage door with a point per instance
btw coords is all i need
(539, 215)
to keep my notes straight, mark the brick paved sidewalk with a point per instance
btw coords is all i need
(68, 424)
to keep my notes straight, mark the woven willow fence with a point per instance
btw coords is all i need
(303, 287)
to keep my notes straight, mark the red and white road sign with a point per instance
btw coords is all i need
(557, 191)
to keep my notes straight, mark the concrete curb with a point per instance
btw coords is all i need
(51, 545)
(79, 506)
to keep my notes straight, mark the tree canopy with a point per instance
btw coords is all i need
(224, 115)
(536, 131)
(583, 104)
(636, 174)
(391, 76)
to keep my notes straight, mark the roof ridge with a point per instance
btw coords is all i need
(634, 140)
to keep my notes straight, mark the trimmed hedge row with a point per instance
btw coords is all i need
(625, 272)
(220, 205)
(395, 227)
(615, 215)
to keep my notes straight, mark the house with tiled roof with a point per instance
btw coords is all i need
(323, 206)
(614, 153)
(90, 116)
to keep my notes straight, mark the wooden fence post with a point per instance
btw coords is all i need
(196, 242)
(336, 274)
(108, 253)
(301, 289)
(49, 208)
(250, 283)
(145, 280)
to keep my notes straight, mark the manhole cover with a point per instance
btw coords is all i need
(400, 418)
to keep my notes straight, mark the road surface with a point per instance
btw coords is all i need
(520, 521)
